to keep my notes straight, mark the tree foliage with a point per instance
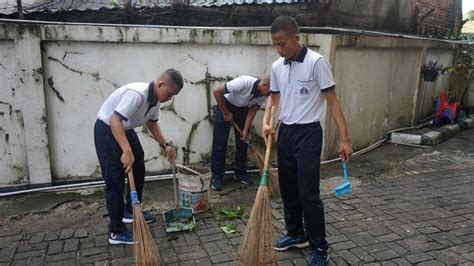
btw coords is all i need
(470, 15)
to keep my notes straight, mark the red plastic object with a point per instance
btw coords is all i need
(446, 110)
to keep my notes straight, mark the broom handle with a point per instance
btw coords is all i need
(175, 186)
(133, 190)
(269, 142)
(237, 128)
(189, 169)
(250, 146)
(344, 166)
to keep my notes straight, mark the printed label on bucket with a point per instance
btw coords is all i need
(195, 200)
(193, 191)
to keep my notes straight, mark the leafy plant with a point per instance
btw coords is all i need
(431, 70)
(470, 15)
(459, 77)
(127, 4)
(115, 4)
(233, 213)
(229, 228)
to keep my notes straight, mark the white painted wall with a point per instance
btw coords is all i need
(377, 81)
(64, 72)
(13, 162)
(84, 74)
(376, 88)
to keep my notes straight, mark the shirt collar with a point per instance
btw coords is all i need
(255, 88)
(300, 57)
(152, 99)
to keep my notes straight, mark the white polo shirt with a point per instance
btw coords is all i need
(301, 84)
(136, 103)
(242, 92)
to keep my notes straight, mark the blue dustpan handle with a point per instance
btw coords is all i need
(344, 166)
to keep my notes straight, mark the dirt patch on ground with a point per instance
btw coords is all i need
(55, 211)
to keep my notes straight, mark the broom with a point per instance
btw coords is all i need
(273, 183)
(145, 250)
(256, 247)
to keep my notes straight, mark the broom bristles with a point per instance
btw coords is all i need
(145, 250)
(273, 184)
(256, 247)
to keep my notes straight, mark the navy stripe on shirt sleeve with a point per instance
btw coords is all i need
(153, 120)
(121, 116)
(333, 87)
(225, 87)
(274, 92)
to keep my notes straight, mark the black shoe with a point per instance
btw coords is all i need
(244, 179)
(128, 217)
(286, 242)
(318, 257)
(217, 184)
(121, 238)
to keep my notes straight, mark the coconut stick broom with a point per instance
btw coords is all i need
(256, 247)
(273, 183)
(144, 249)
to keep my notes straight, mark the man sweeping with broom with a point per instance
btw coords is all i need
(237, 101)
(301, 82)
(118, 147)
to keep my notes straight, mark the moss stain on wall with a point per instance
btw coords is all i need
(58, 94)
(186, 149)
(80, 72)
(170, 108)
(206, 82)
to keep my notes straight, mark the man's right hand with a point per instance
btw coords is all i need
(171, 153)
(127, 159)
(228, 117)
(266, 130)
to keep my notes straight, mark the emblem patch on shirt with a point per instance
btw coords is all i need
(304, 91)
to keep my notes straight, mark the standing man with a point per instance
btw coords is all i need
(237, 100)
(301, 83)
(118, 147)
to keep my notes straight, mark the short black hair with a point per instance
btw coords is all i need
(175, 76)
(285, 24)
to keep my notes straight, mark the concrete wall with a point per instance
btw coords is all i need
(56, 76)
(80, 83)
(13, 162)
(379, 85)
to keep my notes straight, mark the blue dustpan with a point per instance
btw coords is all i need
(346, 187)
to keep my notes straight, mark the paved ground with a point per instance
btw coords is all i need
(409, 206)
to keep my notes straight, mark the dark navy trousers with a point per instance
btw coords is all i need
(109, 152)
(299, 156)
(221, 137)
